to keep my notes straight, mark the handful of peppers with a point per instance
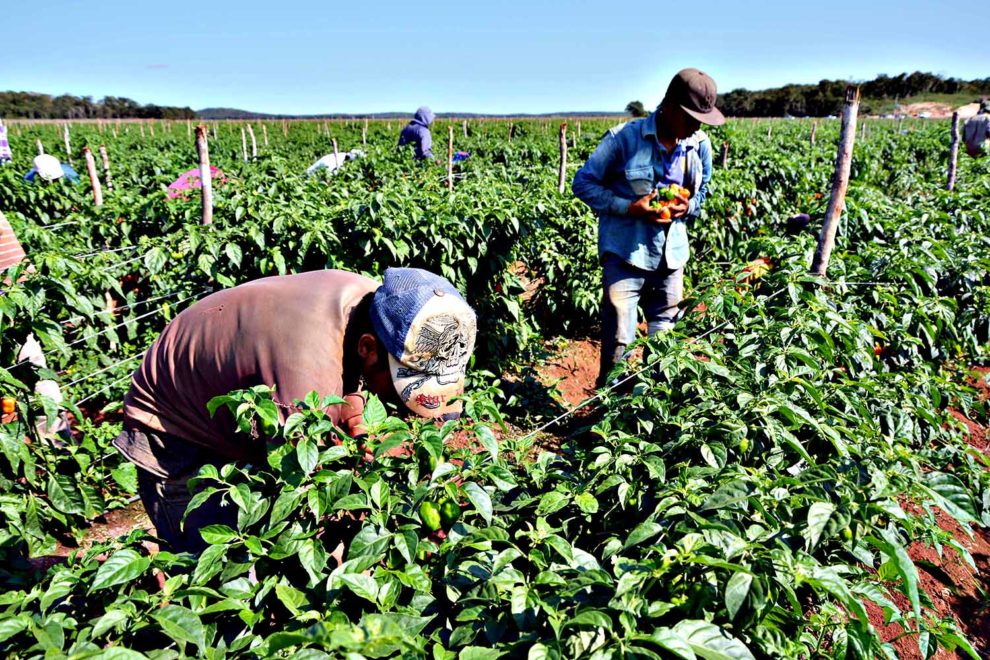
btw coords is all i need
(667, 197)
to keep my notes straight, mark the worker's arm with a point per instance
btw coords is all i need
(589, 182)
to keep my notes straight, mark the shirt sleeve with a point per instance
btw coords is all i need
(425, 144)
(589, 182)
(705, 154)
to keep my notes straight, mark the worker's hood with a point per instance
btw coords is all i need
(423, 116)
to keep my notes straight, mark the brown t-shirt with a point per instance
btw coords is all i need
(286, 332)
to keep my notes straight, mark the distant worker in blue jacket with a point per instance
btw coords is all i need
(644, 248)
(48, 168)
(417, 133)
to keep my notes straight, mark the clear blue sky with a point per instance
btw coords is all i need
(509, 56)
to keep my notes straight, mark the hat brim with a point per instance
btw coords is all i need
(426, 394)
(713, 117)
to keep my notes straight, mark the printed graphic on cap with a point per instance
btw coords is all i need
(437, 349)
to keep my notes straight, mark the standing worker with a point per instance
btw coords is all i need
(976, 132)
(407, 340)
(417, 133)
(643, 249)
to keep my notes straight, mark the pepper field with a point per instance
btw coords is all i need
(801, 472)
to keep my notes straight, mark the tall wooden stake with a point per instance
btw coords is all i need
(254, 143)
(264, 133)
(188, 128)
(205, 176)
(142, 131)
(364, 133)
(336, 154)
(214, 130)
(814, 129)
(65, 136)
(725, 155)
(953, 152)
(840, 182)
(285, 128)
(94, 179)
(450, 158)
(106, 166)
(244, 144)
(562, 173)
(41, 147)
(151, 127)
(464, 127)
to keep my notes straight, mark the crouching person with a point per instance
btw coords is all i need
(407, 340)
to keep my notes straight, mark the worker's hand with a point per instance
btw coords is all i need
(351, 415)
(680, 208)
(641, 209)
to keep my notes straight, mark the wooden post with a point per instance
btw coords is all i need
(106, 166)
(41, 147)
(769, 130)
(254, 143)
(189, 128)
(65, 136)
(510, 131)
(285, 128)
(244, 144)
(336, 154)
(364, 133)
(840, 182)
(450, 158)
(579, 129)
(562, 173)
(814, 129)
(94, 179)
(326, 128)
(114, 129)
(264, 133)
(464, 127)
(725, 155)
(862, 131)
(953, 153)
(205, 176)
(390, 126)
(142, 131)
(151, 127)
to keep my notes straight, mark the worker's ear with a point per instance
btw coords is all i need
(369, 350)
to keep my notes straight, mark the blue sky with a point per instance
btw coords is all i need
(507, 56)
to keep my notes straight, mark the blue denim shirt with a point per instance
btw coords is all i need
(628, 164)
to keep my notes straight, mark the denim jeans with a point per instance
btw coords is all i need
(625, 288)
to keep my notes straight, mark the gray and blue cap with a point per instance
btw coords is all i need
(429, 332)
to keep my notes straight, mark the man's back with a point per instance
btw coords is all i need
(286, 332)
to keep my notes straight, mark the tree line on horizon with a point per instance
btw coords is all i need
(31, 105)
(815, 100)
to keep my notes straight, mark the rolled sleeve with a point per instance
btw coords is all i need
(589, 182)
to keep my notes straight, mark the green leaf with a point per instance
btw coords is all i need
(711, 642)
(819, 514)
(736, 591)
(587, 502)
(905, 567)
(480, 499)
(122, 566)
(643, 531)
(487, 439)
(234, 253)
(64, 494)
(362, 585)
(182, 624)
(307, 454)
(217, 534)
(374, 414)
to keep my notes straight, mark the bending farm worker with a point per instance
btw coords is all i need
(976, 131)
(407, 340)
(417, 133)
(642, 242)
(47, 168)
(331, 162)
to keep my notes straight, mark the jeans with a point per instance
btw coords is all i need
(165, 500)
(625, 288)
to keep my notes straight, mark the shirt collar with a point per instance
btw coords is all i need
(650, 125)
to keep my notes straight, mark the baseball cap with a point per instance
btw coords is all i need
(695, 92)
(429, 331)
(48, 167)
